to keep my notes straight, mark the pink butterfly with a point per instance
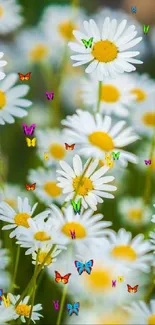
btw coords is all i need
(49, 95)
(148, 162)
(113, 283)
(28, 130)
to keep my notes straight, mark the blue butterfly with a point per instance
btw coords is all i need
(81, 267)
(1, 294)
(73, 309)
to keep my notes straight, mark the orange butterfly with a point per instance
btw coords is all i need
(24, 77)
(134, 289)
(69, 147)
(63, 279)
(30, 187)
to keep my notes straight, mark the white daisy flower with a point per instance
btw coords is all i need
(43, 253)
(10, 17)
(2, 64)
(38, 234)
(47, 189)
(19, 217)
(85, 226)
(142, 313)
(85, 182)
(134, 254)
(96, 137)
(142, 87)
(6, 314)
(61, 20)
(108, 52)
(22, 311)
(114, 96)
(11, 102)
(53, 142)
(144, 154)
(133, 212)
(10, 192)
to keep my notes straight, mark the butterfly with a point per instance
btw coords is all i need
(108, 157)
(115, 155)
(49, 95)
(24, 77)
(81, 267)
(134, 289)
(63, 279)
(56, 304)
(31, 142)
(46, 157)
(73, 309)
(148, 162)
(72, 233)
(6, 300)
(146, 29)
(120, 278)
(113, 283)
(30, 187)
(76, 206)
(1, 294)
(69, 147)
(87, 44)
(28, 130)
(110, 163)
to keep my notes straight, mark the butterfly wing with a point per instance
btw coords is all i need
(1, 292)
(90, 42)
(32, 128)
(65, 278)
(21, 76)
(58, 277)
(129, 288)
(135, 288)
(28, 141)
(70, 309)
(88, 266)
(27, 76)
(85, 43)
(28, 187)
(76, 307)
(71, 147)
(66, 146)
(80, 266)
(25, 128)
(33, 186)
(78, 206)
(74, 206)
(33, 142)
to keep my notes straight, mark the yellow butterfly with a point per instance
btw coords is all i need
(31, 143)
(46, 156)
(6, 300)
(108, 157)
(120, 278)
(110, 163)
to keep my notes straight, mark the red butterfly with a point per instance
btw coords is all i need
(69, 147)
(24, 77)
(132, 289)
(63, 279)
(30, 187)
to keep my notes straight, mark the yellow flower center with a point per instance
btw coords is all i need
(57, 151)
(101, 140)
(149, 119)
(109, 94)
(104, 51)
(84, 187)
(52, 189)
(135, 214)
(114, 318)
(41, 236)
(2, 99)
(1, 11)
(80, 231)
(66, 30)
(140, 94)
(23, 310)
(124, 252)
(11, 202)
(42, 256)
(21, 219)
(39, 52)
(151, 319)
(100, 279)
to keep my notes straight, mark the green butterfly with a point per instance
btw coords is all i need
(146, 29)
(76, 206)
(88, 44)
(115, 155)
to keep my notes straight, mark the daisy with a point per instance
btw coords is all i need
(85, 182)
(20, 217)
(86, 225)
(53, 142)
(2, 64)
(142, 313)
(108, 55)
(43, 253)
(22, 311)
(61, 21)
(38, 234)
(6, 314)
(10, 17)
(96, 137)
(11, 102)
(9, 194)
(47, 189)
(133, 212)
(142, 87)
(114, 97)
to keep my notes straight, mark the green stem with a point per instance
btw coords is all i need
(99, 96)
(62, 305)
(16, 266)
(149, 173)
